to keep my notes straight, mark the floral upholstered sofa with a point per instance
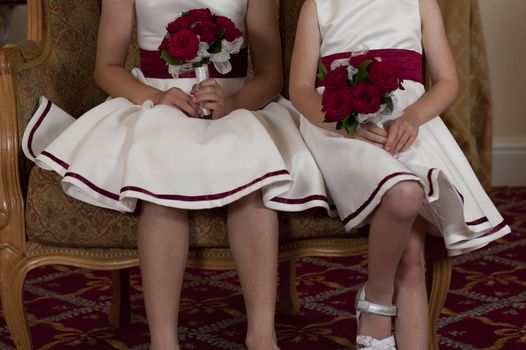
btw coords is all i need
(40, 225)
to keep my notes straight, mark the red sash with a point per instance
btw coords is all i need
(153, 66)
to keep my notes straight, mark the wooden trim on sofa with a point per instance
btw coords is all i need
(35, 25)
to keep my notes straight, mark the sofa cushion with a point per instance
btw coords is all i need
(55, 219)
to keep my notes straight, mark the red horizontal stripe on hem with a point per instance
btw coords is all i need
(494, 229)
(35, 127)
(55, 159)
(371, 197)
(207, 196)
(478, 221)
(116, 197)
(315, 197)
(93, 186)
(216, 196)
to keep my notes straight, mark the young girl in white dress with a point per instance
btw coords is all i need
(403, 179)
(147, 143)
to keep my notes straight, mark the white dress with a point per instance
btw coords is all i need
(357, 173)
(119, 152)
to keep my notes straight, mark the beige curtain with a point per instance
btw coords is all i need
(470, 118)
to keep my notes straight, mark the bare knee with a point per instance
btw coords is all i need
(404, 200)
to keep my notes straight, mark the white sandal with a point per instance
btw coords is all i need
(365, 342)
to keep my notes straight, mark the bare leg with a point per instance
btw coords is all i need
(163, 249)
(412, 322)
(253, 236)
(388, 236)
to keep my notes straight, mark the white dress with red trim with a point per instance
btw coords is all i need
(357, 173)
(119, 152)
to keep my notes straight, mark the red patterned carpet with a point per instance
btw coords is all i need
(485, 309)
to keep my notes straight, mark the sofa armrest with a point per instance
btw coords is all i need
(12, 226)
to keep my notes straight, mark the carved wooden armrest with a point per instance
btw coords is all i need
(13, 58)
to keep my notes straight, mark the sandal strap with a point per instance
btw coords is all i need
(377, 309)
(370, 343)
(363, 305)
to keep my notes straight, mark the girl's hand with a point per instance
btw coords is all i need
(177, 98)
(209, 94)
(369, 132)
(402, 134)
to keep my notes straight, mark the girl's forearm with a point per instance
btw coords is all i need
(435, 101)
(308, 102)
(118, 82)
(255, 94)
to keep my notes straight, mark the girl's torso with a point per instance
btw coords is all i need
(154, 15)
(352, 25)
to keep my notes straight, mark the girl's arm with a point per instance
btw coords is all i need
(304, 65)
(264, 44)
(113, 40)
(444, 89)
(303, 71)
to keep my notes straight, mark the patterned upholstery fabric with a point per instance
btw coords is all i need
(64, 72)
(56, 219)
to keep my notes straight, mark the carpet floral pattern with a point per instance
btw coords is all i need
(485, 309)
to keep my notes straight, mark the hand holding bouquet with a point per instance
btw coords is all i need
(358, 90)
(197, 38)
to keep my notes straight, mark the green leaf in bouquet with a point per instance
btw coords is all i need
(322, 71)
(350, 124)
(339, 125)
(390, 105)
(221, 34)
(215, 47)
(362, 74)
(170, 59)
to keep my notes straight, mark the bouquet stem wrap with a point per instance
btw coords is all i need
(201, 74)
(196, 38)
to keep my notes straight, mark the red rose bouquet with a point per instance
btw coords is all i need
(197, 38)
(358, 90)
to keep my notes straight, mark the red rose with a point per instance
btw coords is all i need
(200, 14)
(183, 45)
(164, 43)
(336, 103)
(178, 24)
(366, 98)
(230, 29)
(383, 76)
(207, 31)
(337, 78)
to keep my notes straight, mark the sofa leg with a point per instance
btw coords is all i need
(288, 295)
(438, 284)
(12, 298)
(119, 315)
